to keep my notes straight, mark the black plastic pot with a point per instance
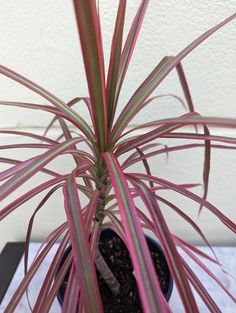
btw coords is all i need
(108, 234)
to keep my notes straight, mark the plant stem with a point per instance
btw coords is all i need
(101, 264)
(105, 271)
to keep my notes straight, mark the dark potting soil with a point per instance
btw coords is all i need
(117, 257)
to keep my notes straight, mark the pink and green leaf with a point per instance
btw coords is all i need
(148, 285)
(209, 272)
(32, 168)
(146, 138)
(184, 135)
(70, 104)
(46, 305)
(114, 64)
(193, 119)
(187, 193)
(21, 289)
(28, 195)
(185, 86)
(81, 249)
(70, 301)
(201, 290)
(74, 117)
(168, 245)
(207, 164)
(137, 100)
(42, 297)
(173, 149)
(155, 78)
(29, 134)
(188, 220)
(31, 222)
(19, 165)
(91, 45)
(185, 245)
(91, 209)
(129, 45)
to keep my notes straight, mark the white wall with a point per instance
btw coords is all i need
(39, 40)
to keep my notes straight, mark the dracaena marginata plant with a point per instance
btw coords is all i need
(111, 189)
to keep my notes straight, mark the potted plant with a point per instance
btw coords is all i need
(101, 172)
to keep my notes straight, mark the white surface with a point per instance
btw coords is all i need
(39, 40)
(227, 257)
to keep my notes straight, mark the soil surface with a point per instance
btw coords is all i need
(117, 257)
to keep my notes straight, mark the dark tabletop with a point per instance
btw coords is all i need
(9, 260)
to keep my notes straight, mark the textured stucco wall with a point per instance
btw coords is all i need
(39, 40)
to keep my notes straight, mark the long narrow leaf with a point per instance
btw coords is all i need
(149, 288)
(185, 87)
(207, 165)
(173, 149)
(74, 117)
(209, 272)
(118, 227)
(23, 175)
(25, 146)
(145, 103)
(34, 106)
(188, 220)
(137, 101)
(31, 222)
(81, 250)
(230, 224)
(135, 154)
(179, 242)
(185, 245)
(67, 134)
(94, 235)
(193, 119)
(19, 165)
(70, 104)
(114, 63)
(147, 137)
(28, 195)
(48, 280)
(57, 284)
(145, 164)
(91, 45)
(91, 208)
(81, 169)
(28, 134)
(184, 135)
(172, 124)
(201, 290)
(130, 44)
(155, 78)
(168, 245)
(32, 271)
(70, 301)
(149, 101)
